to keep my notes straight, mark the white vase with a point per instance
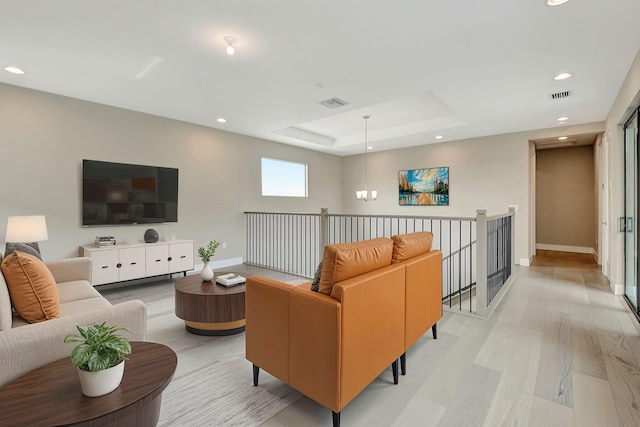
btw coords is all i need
(206, 273)
(99, 383)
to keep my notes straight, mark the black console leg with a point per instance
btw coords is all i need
(336, 419)
(403, 363)
(434, 331)
(256, 372)
(394, 369)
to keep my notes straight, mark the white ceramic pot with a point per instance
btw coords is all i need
(103, 382)
(206, 273)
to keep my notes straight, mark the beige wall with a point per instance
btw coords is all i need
(485, 173)
(44, 137)
(565, 202)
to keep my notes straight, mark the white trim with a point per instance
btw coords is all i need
(617, 288)
(561, 248)
(525, 262)
(219, 264)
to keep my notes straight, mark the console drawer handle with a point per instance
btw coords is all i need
(183, 256)
(105, 266)
(133, 263)
(158, 260)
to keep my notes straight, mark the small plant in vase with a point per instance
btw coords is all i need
(99, 357)
(205, 254)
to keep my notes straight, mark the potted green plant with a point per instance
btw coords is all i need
(205, 255)
(99, 357)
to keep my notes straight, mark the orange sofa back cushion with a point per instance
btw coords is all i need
(407, 246)
(346, 260)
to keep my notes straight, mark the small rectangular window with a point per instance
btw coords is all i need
(283, 178)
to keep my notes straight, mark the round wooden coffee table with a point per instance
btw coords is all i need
(209, 308)
(51, 395)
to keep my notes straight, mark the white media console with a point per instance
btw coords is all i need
(118, 263)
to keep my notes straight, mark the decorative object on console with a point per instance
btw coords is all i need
(150, 236)
(99, 357)
(105, 241)
(205, 255)
(364, 195)
(428, 186)
(26, 229)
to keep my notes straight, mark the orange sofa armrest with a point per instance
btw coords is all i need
(267, 325)
(373, 321)
(314, 346)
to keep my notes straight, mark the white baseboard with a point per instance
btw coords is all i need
(617, 288)
(525, 262)
(561, 248)
(219, 264)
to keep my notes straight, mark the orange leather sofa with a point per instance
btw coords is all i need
(423, 286)
(331, 344)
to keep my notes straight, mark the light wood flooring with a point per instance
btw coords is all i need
(560, 350)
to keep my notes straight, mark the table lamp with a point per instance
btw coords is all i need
(27, 229)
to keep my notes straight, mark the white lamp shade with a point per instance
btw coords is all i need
(26, 229)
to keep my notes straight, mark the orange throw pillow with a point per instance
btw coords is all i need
(33, 290)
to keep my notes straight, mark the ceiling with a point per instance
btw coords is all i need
(419, 68)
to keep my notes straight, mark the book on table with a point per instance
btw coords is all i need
(230, 279)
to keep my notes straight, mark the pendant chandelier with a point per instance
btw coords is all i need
(366, 195)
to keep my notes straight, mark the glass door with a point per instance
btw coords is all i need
(628, 223)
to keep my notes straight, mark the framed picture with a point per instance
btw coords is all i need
(418, 187)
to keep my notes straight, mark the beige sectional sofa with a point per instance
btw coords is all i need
(25, 346)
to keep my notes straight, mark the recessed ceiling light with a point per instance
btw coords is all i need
(221, 120)
(369, 148)
(556, 2)
(563, 119)
(439, 137)
(14, 70)
(562, 76)
(562, 138)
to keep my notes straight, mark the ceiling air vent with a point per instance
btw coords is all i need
(560, 95)
(333, 103)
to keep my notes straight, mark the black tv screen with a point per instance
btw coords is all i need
(120, 193)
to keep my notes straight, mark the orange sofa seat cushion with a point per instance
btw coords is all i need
(410, 245)
(346, 260)
(33, 290)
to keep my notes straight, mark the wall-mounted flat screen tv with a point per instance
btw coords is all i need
(120, 194)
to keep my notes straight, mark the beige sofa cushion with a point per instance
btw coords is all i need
(346, 260)
(33, 291)
(6, 313)
(76, 290)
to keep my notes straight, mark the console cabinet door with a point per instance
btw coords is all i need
(104, 267)
(132, 263)
(181, 255)
(157, 260)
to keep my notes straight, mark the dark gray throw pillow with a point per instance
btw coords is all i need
(25, 248)
(316, 279)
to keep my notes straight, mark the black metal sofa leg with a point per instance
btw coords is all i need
(336, 419)
(394, 369)
(256, 372)
(434, 331)
(403, 364)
